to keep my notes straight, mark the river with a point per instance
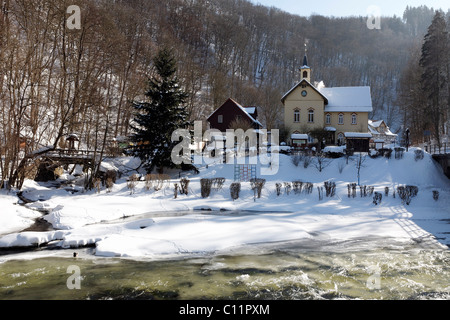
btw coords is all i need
(357, 269)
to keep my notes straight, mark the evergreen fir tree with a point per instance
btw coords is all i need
(163, 113)
(435, 63)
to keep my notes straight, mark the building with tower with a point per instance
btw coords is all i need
(343, 112)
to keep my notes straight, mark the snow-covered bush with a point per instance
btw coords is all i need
(351, 187)
(257, 184)
(418, 154)
(132, 182)
(278, 188)
(377, 198)
(386, 191)
(217, 183)
(235, 189)
(307, 161)
(406, 193)
(297, 186)
(435, 195)
(205, 187)
(330, 188)
(399, 153)
(296, 158)
(184, 186)
(287, 187)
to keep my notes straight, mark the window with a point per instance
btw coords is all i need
(220, 118)
(296, 115)
(354, 118)
(341, 118)
(305, 74)
(311, 116)
(328, 118)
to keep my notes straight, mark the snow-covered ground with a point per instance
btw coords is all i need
(84, 218)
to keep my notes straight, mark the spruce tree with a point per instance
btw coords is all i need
(157, 118)
(435, 63)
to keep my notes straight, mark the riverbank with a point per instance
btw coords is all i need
(97, 219)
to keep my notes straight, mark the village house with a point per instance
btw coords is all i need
(341, 111)
(231, 111)
(381, 134)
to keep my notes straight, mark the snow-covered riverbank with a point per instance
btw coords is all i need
(82, 219)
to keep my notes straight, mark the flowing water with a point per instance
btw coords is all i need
(292, 270)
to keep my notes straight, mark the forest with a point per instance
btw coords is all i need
(58, 81)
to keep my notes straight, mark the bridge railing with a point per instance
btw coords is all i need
(435, 149)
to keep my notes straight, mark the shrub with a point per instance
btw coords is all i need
(406, 193)
(399, 153)
(175, 191)
(320, 190)
(306, 161)
(377, 198)
(205, 187)
(109, 184)
(297, 186)
(278, 188)
(287, 187)
(418, 154)
(435, 195)
(217, 183)
(184, 186)
(133, 181)
(296, 158)
(235, 189)
(351, 189)
(257, 185)
(386, 191)
(308, 187)
(330, 188)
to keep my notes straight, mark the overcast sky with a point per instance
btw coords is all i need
(351, 7)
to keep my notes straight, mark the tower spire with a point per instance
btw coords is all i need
(305, 59)
(305, 70)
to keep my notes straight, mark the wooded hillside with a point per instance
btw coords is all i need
(56, 81)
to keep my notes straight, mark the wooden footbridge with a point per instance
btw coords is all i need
(48, 159)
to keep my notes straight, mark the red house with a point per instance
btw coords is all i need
(230, 111)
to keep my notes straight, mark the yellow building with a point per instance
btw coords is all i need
(341, 111)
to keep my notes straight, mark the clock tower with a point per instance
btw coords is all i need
(305, 70)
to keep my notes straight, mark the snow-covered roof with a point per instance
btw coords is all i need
(357, 135)
(331, 129)
(250, 110)
(299, 136)
(347, 99)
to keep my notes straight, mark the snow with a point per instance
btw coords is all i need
(299, 136)
(158, 226)
(347, 99)
(357, 135)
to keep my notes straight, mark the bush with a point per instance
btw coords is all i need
(235, 189)
(184, 186)
(296, 158)
(297, 186)
(257, 185)
(418, 154)
(386, 191)
(435, 195)
(217, 183)
(205, 187)
(320, 190)
(406, 193)
(330, 188)
(132, 183)
(377, 198)
(175, 192)
(308, 187)
(351, 187)
(306, 161)
(278, 188)
(399, 153)
(287, 187)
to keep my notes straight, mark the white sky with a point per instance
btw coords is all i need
(351, 7)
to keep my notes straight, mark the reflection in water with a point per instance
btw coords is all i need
(284, 271)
